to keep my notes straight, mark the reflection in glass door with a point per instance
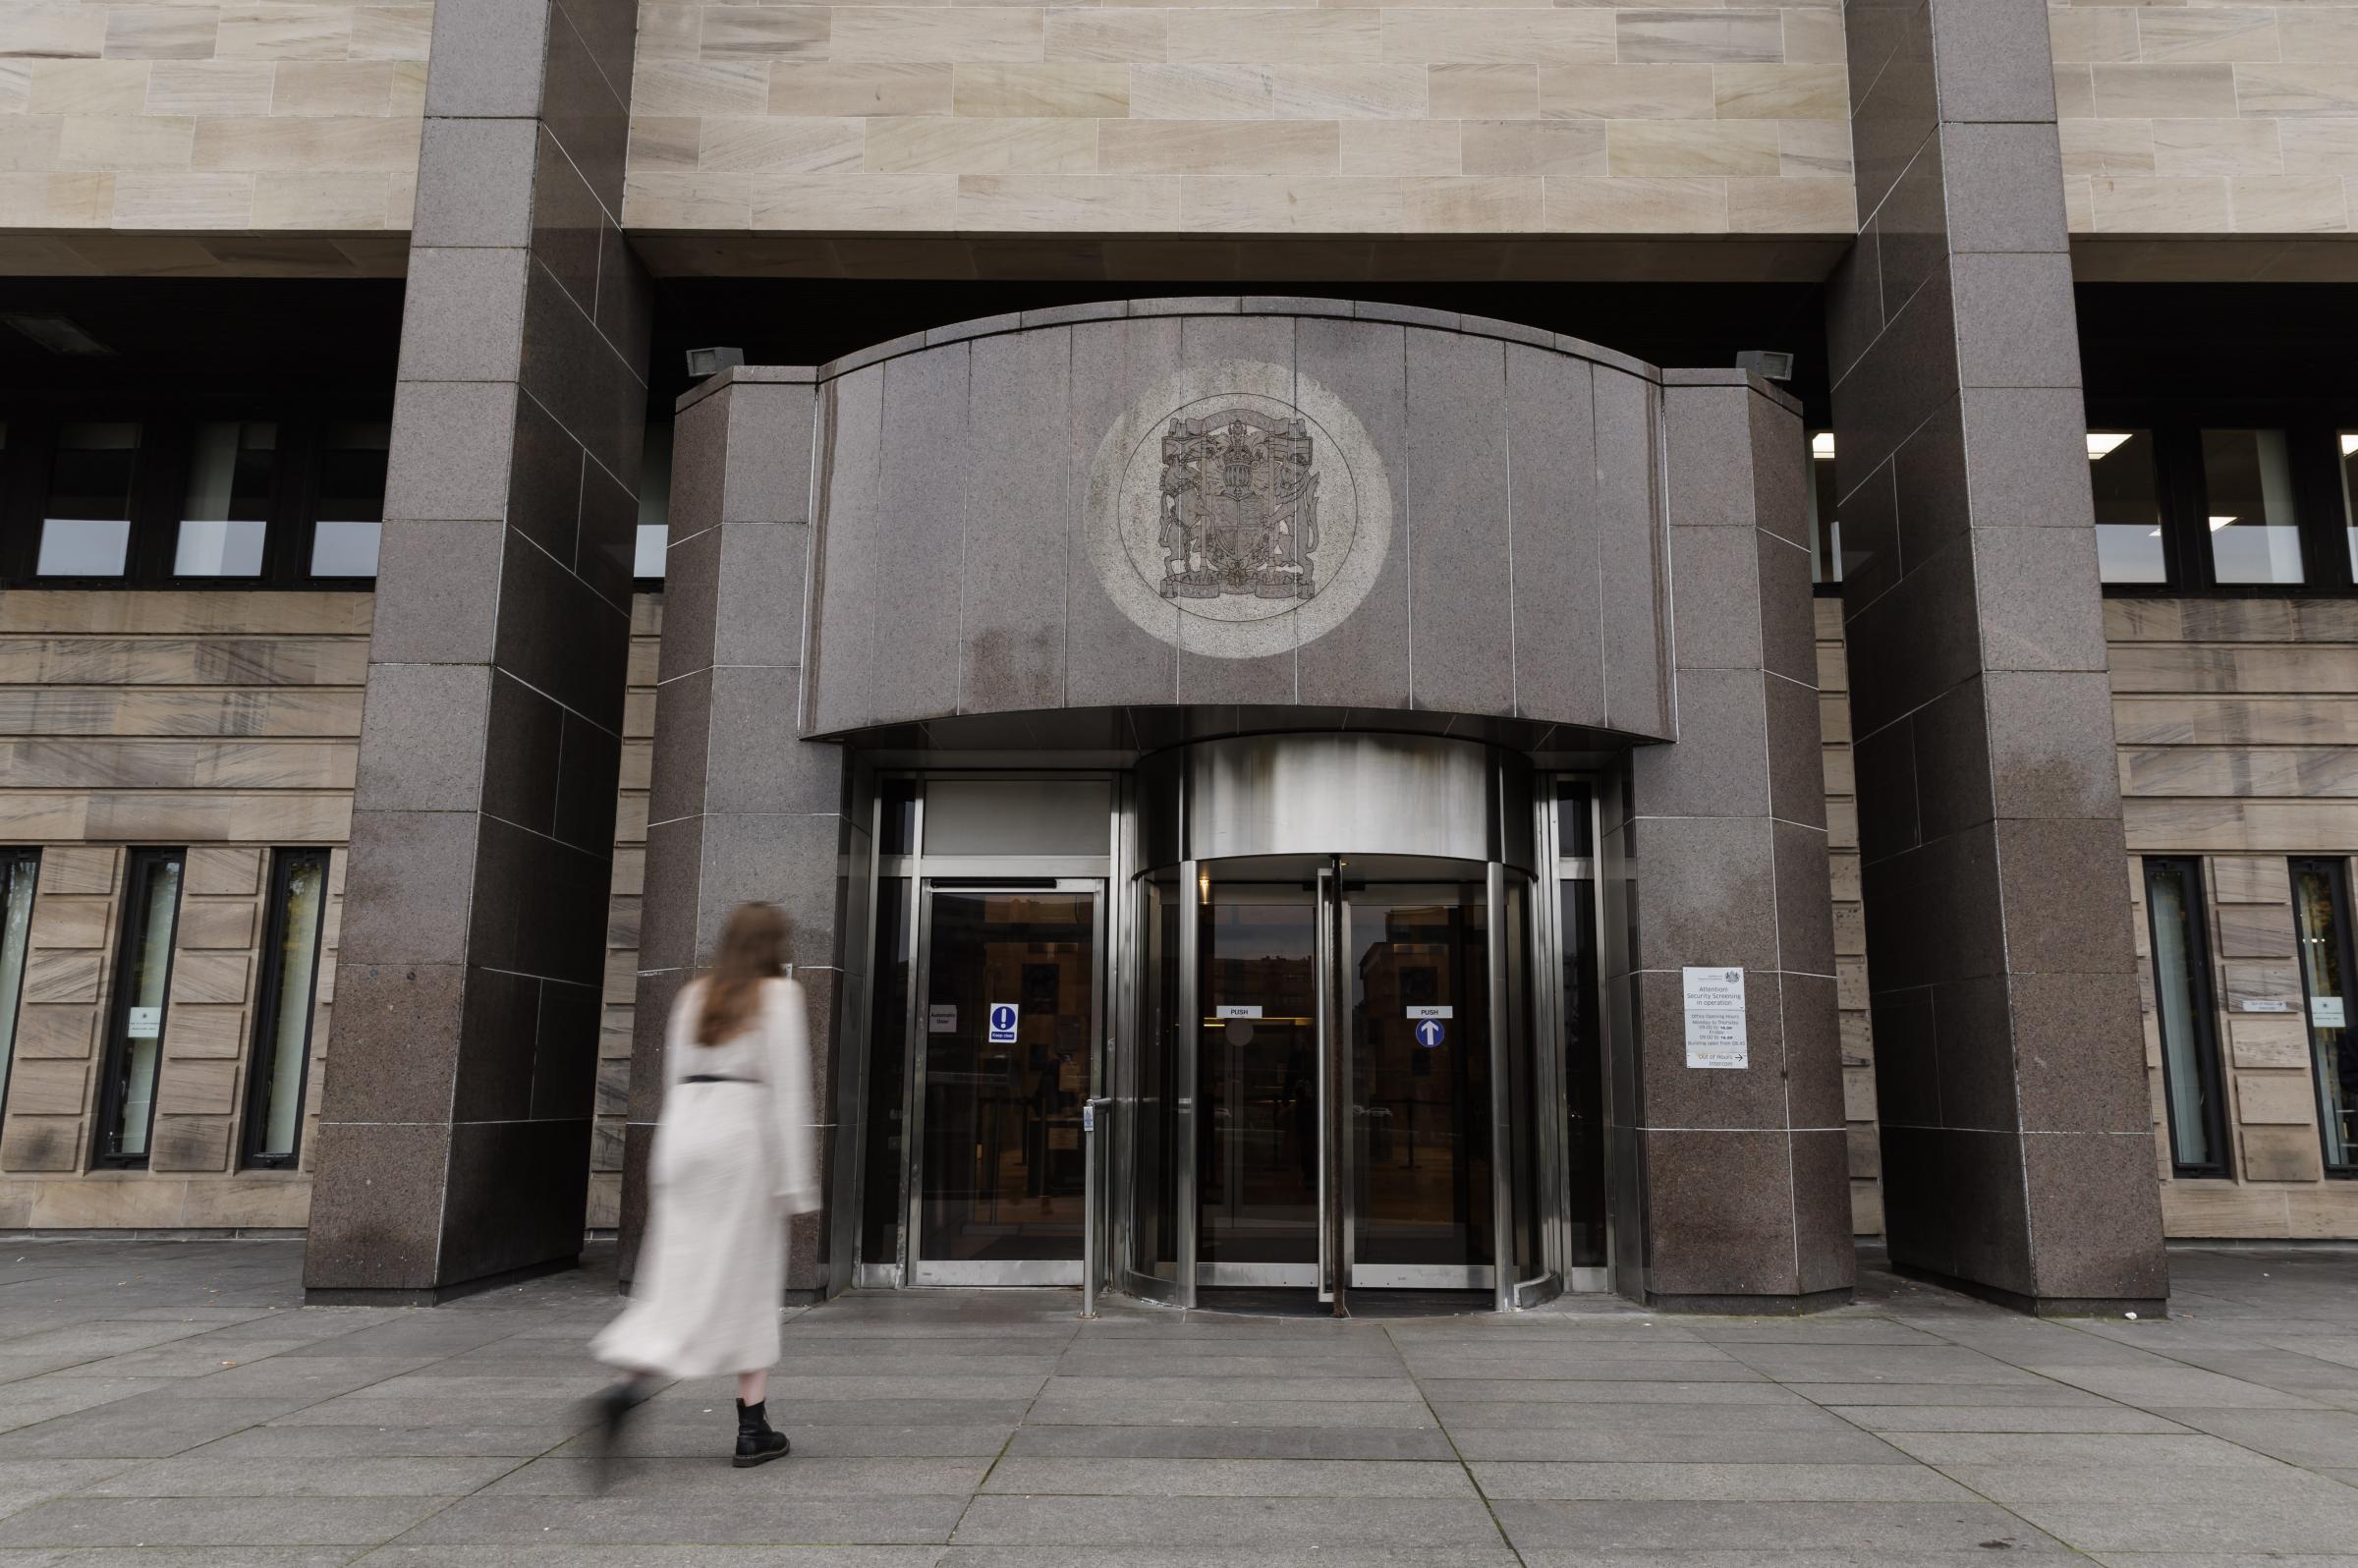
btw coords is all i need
(1010, 1011)
(1258, 1074)
(1415, 978)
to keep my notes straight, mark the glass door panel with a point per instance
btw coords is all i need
(1417, 1031)
(1258, 1076)
(1011, 1007)
(1158, 1112)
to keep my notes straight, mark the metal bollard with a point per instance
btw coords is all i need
(1088, 1212)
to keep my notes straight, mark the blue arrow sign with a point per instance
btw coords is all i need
(1430, 1033)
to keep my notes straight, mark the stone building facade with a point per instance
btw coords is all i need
(932, 227)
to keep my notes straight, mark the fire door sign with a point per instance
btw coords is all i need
(1715, 1035)
(1002, 1023)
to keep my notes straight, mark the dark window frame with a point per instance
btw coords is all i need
(27, 855)
(2312, 445)
(2336, 872)
(158, 495)
(114, 1060)
(270, 996)
(2205, 1008)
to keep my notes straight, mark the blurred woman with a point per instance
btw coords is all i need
(732, 1160)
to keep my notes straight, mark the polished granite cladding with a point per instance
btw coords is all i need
(171, 1403)
(1716, 857)
(2016, 1130)
(741, 807)
(1228, 502)
(456, 1131)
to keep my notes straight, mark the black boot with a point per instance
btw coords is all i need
(758, 1442)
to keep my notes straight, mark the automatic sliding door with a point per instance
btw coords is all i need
(1010, 1010)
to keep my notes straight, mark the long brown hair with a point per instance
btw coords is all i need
(753, 949)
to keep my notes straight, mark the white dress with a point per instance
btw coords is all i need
(730, 1162)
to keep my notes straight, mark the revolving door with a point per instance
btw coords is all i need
(1331, 1084)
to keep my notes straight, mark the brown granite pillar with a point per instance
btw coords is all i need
(740, 808)
(455, 1136)
(2017, 1138)
(1716, 856)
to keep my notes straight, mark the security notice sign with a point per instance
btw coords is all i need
(1716, 1018)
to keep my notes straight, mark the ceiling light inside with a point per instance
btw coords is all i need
(2349, 443)
(1822, 445)
(55, 333)
(2103, 443)
(2218, 523)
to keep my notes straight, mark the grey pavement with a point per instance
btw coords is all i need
(168, 1402)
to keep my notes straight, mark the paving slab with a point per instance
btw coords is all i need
(1871, 1528)
(1231, 1442)
(216, 1522)
(1101, 1477)
(1113, 1525)
(1688, 1482)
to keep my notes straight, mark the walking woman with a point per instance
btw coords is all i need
(732, 1160)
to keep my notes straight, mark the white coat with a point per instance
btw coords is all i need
(731, 1161)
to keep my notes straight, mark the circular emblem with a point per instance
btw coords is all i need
(1238, 509)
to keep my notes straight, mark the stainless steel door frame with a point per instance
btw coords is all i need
(1503, 1099)
(1334, 1185)
(919, 1270)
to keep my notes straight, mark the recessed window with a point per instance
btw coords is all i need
(2321, 909)
(282, 1041)
(2248, 506)
(19, 868)
(1825, 529)
(134, 1040)
(86, 529)
(350, 505)
(2129, 547)
(225, 521)
(2190, 1074)
(655, 504)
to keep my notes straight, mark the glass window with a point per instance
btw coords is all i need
(1825, 529)
(282, 1040)
(2349, 496)
(2128, 507)
(18, 870)
(2247, 491)
(86, 532)
(2321, 907)
(2190, 1076)
(224, 521)
(351, 507)
(135, 1025)
(654, 503)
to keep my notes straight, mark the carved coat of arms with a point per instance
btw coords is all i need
(1240, 507)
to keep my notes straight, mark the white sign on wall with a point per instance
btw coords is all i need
(1237, 1011)
(1432, 1012)
(1714, 1007)
(146, 1023)
(2325, 1012)
(2260, 1005)
(941, 1018)
(1002, 1023)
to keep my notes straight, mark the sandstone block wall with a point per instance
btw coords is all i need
(1212, 119)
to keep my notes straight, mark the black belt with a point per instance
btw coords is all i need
(715, 1078)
